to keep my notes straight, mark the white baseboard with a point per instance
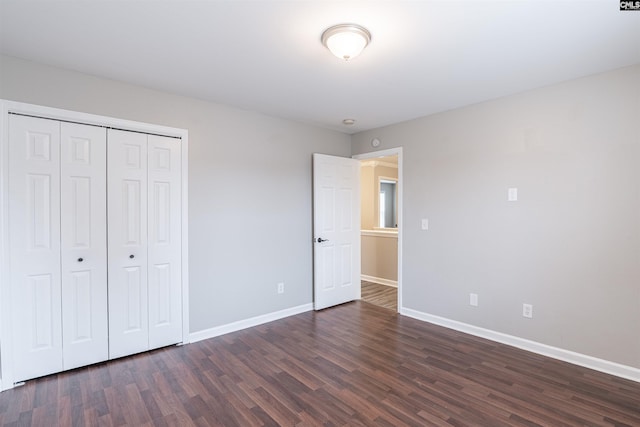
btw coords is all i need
(379, 280)
(590, 362)
(248, 323)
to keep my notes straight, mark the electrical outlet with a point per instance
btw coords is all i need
(473, 300)
(281, 288)
(527, 311)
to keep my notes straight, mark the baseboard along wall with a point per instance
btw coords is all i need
(608, 367)
(248, 323)
(379, 280)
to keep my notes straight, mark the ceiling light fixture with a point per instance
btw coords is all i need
(348, 122)
(346, 41)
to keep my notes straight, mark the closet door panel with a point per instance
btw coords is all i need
(164, 195)
(127, 242)
(34, 234)
(83, 162)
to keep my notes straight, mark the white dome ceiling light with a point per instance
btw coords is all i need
(346, 41)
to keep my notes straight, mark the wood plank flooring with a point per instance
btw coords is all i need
(381, 295)
(355, 364)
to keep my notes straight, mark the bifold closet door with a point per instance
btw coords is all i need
(58, 260)
(164, 241)
(127, 217)
(144, 202)
(83, 184)
(34, 234)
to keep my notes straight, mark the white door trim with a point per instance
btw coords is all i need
(383, 153)
(6, 107)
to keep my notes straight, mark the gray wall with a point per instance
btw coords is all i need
(249, 186)
(571, 244)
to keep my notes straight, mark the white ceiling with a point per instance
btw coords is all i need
(425, 56)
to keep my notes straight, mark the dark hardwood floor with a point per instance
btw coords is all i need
(355, 364)
(381, 295)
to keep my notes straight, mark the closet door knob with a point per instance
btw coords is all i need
(80, 259)
(131, 256)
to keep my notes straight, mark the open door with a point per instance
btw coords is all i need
(336, 228)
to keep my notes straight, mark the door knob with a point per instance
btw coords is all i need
(131, 256)
(80, 259)
(320, 240)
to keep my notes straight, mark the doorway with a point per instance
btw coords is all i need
(381, 232)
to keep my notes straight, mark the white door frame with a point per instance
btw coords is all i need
(6, 107)
(384, 153)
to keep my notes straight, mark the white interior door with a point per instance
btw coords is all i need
(127, 244)
(34, 224)
(83, 162)
(336, 225)
(164, 254)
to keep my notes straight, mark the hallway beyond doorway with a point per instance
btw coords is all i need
(380, 295)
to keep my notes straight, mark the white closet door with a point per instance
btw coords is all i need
(127, 242)
(34, 224)
(83, 164)
(165, 289)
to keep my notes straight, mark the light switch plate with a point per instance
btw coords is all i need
(527, 310)
(473, 300)
(513, 194)
(425, 224)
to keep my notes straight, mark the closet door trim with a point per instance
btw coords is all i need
(11, 107)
